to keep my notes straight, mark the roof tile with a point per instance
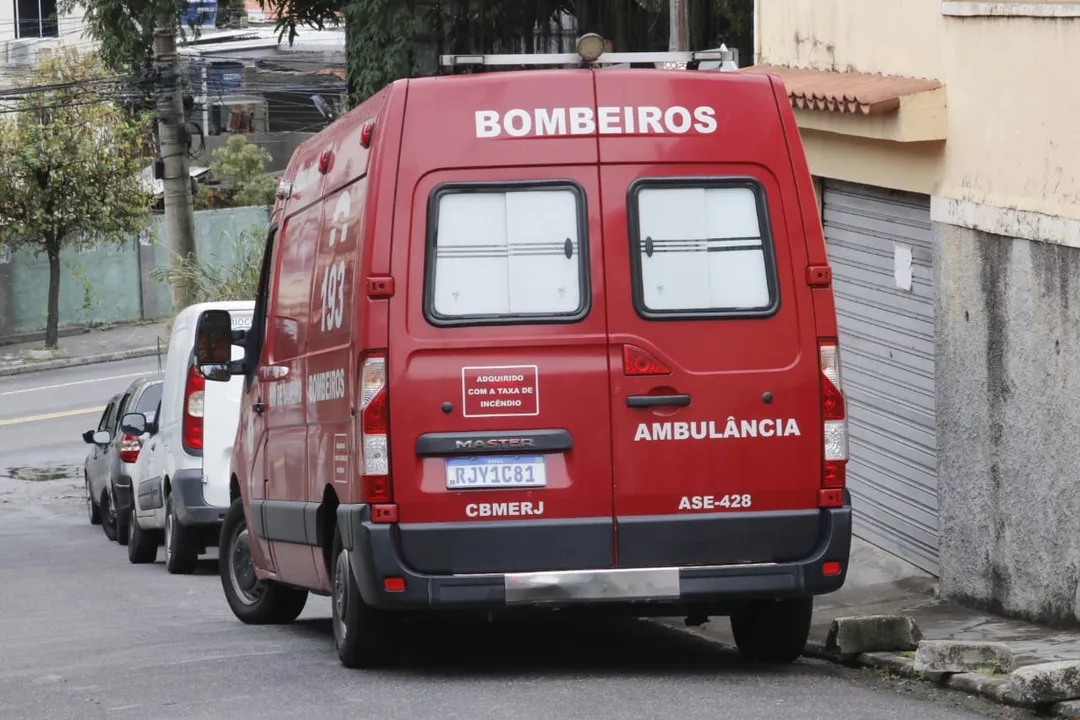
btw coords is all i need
(844, 92)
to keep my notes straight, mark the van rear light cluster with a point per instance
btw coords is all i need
(834, 417)
(130, 446)
(194, 401)
(637, 361)
(374, 432)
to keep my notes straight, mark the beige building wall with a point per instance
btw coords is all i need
(1000, 162)
(1013, 102)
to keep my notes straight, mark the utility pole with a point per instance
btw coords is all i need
(179, 207)
(678, 32)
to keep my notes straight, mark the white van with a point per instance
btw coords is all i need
(184, 491)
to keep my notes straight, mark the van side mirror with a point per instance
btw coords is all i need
(214, 338)
(133, 424)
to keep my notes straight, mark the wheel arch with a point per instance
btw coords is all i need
(326, 526)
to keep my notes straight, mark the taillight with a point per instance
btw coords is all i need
(374, 432)
(834, 418)
(194, 401)
(637, 361)
(129, 448)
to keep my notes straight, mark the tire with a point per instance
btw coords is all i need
(363, 635)
(181, 552)
(92, 509)
(108, 516)
(122, 520)
(773, 631)
(142, 544)
(253, 601)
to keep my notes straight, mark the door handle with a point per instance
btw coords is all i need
(648, 401)
(258, 406)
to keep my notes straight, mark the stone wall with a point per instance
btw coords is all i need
(1008, 398)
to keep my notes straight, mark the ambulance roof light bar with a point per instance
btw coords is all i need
(591, 53)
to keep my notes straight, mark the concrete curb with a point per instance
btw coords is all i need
(62, 363)
(994, 688)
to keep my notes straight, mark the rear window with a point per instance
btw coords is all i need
(507, 254)
(149, 400)
(701, 248)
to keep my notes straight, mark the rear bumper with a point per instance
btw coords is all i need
(186, 491)
(644, 591)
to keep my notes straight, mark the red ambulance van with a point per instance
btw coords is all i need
(544, 338)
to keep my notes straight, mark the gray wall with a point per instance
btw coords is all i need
(111, 283)
(1008, 398)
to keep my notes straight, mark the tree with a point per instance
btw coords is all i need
(391, 39)
(242, 166)
(72, 158)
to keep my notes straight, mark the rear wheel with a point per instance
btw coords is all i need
(181, 552)
(362, 634)
(92, 508)
(773, 631)
(252, 600)
(142, 544)
(108, 516)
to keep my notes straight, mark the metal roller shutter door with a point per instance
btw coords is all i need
(887, 356)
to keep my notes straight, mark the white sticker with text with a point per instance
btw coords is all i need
(629, 120)
(717, 430)
(714, 502)
(504, 509)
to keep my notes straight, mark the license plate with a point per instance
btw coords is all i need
(499, 471)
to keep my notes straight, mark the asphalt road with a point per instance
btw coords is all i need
(43, 414)
(86, 635)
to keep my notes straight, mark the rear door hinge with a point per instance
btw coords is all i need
(380, 287)
(819, 276)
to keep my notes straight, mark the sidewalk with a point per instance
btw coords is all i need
(879, 584)
(119, 342)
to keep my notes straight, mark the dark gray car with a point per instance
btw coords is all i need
(110, 464)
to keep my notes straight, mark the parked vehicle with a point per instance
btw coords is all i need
(540, 340)
(183, 491)
(110, 465)
(142, 545)
(94, 476)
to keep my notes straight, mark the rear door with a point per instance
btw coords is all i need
(498, 391)
(714, 378)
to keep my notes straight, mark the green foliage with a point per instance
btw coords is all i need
(391, 39)
(71, 167)
(91, 296)
(242, 166)
(379, 38)
(237, 279)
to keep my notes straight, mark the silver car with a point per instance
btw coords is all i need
(109, 465)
